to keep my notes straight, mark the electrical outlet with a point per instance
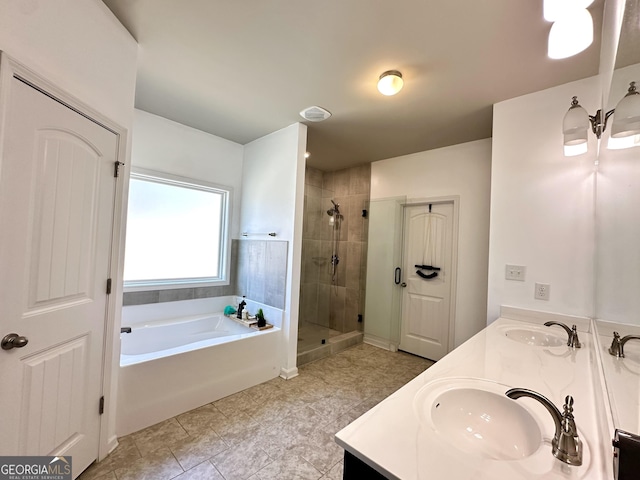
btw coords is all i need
(515, 272)
(543, 291)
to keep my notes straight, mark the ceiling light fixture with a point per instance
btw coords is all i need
(626, 123)
(570, 34)
(390, 82)
(554, 10)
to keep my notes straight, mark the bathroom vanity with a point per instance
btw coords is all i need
(454, 421)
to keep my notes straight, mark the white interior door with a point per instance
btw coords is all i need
(426, 302)
(56, 213)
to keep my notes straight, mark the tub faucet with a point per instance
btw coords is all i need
(573, 341)
(565, 446)
(617, 346)
(125, 330)
(241, 307)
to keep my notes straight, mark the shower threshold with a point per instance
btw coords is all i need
(335, 344)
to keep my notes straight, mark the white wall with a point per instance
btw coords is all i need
(542, 203)
(170, 147)
(82, 48)
(273, 201)
(78, 45)
(462, 170)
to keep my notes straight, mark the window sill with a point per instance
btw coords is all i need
(146, 287)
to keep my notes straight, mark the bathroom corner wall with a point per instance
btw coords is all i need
(273, 201)
(324, 301)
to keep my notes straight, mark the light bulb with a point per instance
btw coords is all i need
(390, 82)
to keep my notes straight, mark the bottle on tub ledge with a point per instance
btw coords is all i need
(241, 307)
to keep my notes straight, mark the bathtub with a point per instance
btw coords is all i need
(181, 355)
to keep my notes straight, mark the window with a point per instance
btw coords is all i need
(177, 232)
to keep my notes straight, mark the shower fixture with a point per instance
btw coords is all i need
(334, 214)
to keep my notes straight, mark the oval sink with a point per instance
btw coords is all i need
(476, 417)
(534, 336)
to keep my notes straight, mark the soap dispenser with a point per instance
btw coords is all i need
(241, 307)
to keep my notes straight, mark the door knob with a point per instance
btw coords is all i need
(403, 284)
(13, 340)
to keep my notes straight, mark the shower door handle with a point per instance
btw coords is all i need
(397, 275)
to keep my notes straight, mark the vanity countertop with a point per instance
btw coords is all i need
(392, 438)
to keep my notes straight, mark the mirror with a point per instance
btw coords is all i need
(618, 234)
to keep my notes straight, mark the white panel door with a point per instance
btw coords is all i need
(56, 214)
(426, 302)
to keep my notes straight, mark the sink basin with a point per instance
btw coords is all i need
(476, 417)
(533, 335)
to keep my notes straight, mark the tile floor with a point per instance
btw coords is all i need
(281, 429)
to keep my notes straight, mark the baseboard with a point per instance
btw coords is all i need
(288, 373)
(112, 443)
(379, 342)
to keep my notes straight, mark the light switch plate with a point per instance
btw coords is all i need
(515, 272)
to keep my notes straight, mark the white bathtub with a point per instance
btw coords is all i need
(163, 338)
(182, 355)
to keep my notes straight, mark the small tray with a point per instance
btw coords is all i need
(266, 327)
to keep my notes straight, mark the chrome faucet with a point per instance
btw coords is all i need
(565, 446)
(617, 346)
(573, 341)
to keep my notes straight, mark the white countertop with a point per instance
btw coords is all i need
(392, 439)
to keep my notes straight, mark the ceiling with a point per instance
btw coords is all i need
(241, 69)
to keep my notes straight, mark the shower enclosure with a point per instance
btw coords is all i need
(334, 252)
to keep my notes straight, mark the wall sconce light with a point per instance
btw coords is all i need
(390, 82)
(626, 123)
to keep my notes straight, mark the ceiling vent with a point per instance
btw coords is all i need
(315, 114)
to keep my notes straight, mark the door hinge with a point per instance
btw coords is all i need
(108, 286)
(101, 407)
(116, 169)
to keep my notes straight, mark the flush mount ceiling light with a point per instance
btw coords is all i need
(626, 124)
(570, 34)
(390, 82)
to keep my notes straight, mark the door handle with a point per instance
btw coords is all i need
(397, 275)
(403, 284)
(13, 340)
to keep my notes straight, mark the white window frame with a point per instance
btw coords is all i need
(225, 234)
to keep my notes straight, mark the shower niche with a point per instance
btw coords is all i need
(334, 253)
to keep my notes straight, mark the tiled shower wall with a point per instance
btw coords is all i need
(258, 271)
(335, 303)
